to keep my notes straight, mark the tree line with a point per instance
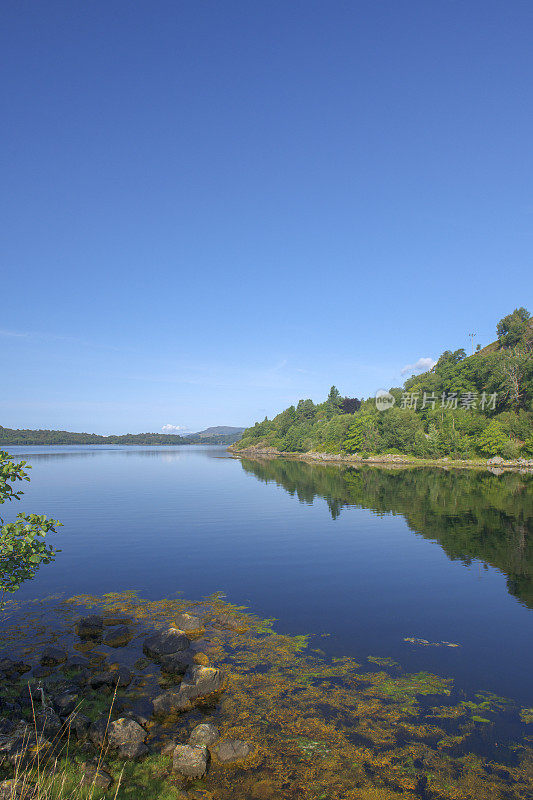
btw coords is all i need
(464, 407)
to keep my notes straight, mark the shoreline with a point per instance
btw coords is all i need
(386, 460)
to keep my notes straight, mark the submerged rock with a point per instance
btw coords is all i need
(163, 643)
(120, 637)
(90, 627)
(176, 663)
(190, 760)
(142, 711)
(205, 734)
(231, 750)
(189, 623)
(103, 679)
(52, 656)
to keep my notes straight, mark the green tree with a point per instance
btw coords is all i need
(22, 543)
(492, 441)
(511, 329)
(334, 401)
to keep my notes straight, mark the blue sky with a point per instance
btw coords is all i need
(212, 209)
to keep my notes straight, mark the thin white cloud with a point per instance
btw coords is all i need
(422, 365)
(174, 429)
(14, 333)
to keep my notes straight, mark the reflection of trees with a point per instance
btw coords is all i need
(471, 514)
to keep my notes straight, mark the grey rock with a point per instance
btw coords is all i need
(65, 703)
(190, 761)
(128, 736)
(205, 734)
(47, 722)
(12, 669)
(170, 703)
(52, 656)
(133, 750)
(13, 789)
(176, 663)
(103, 679)
(90, 627)
(111, 622)
(94, 774)
(80, 724)
(201, 681)
(189, 623)
(125, 675)
(41, 672)
(97, 731)
(76, 664)
(231, 750)
(163, 643)
(120, 637)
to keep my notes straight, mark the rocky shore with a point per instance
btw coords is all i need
(385, 459)
(161, 702)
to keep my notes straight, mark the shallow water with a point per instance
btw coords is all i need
(369, 557)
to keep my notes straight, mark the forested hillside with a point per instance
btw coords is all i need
(10, 436)
(464, 407)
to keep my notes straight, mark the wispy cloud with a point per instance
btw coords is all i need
(422, 365)
(15, 334)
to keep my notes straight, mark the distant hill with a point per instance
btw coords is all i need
(217, 435)
(219, 430)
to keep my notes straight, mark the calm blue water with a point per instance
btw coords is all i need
(310, 546)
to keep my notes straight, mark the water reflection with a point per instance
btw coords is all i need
(473, 515)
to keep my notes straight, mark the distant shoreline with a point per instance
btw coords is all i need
(386, 460)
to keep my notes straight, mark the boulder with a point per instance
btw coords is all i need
(79, 723)
(164, 643)
(12, 669)
(97, 731)
(65, 703)
(170, 703)
(201, 681)
(13, 789)
(76, 664)
(189, 623)
(52, 656)
(231, 750)
(47, 722)
(94, 774)
(128, 737)
(190, 761)
(205, 734)
(112, 622)
(176, 663)
(119, 637)
(124, 676)
(41, 672)
(90, 627)
(103, 679)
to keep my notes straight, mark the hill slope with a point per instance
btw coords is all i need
(223, 435)
(465, 407)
